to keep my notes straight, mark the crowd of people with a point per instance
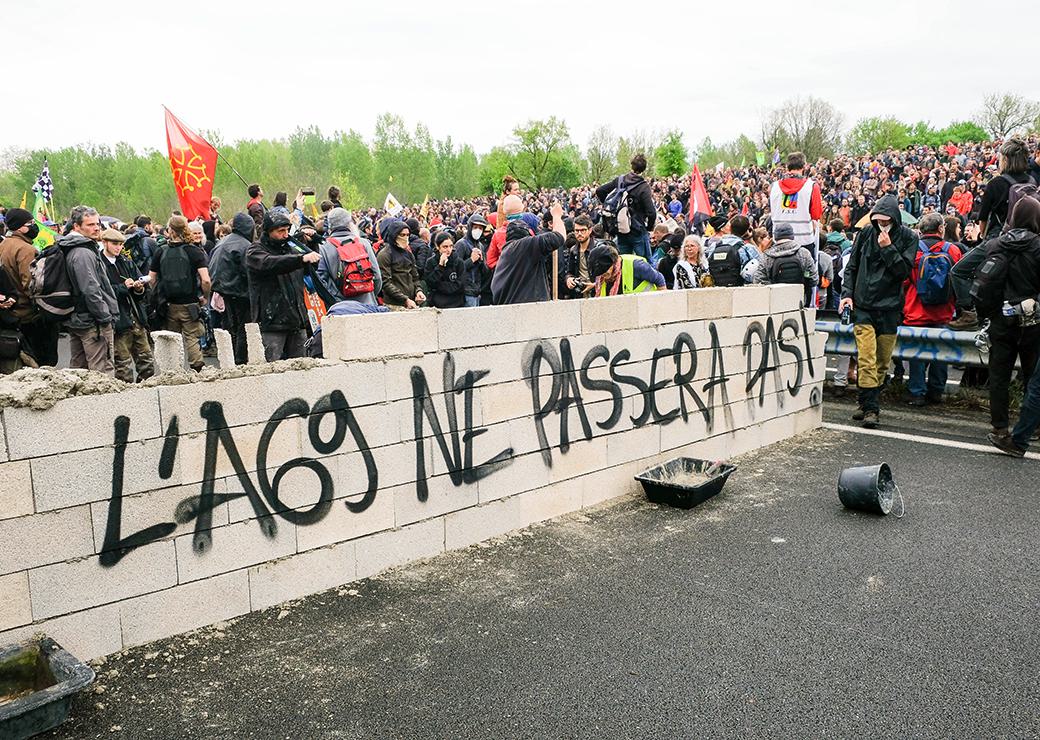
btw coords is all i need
(839, 228)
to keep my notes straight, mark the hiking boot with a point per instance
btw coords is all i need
(871, 419)
(917, 401)
(967, 321)
(1005, 444)
(933, 399)
(858, 415)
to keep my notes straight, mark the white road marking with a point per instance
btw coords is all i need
(924, 440)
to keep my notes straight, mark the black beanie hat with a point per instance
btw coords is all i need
(16, 218)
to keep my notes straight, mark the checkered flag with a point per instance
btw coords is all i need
(44, 185)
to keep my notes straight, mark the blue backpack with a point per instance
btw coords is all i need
(934, 287)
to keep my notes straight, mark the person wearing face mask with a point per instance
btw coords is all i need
(445, 274)
(16, 256)
(397, 266)
(275, 268)
(881, 260)
(471, 250)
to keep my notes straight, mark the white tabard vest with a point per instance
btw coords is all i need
(794, 210)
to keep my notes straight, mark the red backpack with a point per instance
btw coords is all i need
(356, 275)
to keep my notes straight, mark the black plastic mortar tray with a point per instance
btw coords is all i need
(37, 681)
(670, 482)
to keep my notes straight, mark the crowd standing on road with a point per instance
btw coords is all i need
(839, 228)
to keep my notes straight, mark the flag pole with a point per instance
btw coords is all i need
(221, 156)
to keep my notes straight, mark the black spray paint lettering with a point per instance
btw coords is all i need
(458, 455)
(200, 508)
(772, 343)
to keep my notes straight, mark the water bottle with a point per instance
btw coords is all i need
(846, 316)
(1008, 310)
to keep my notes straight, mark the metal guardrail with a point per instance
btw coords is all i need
(912, 343)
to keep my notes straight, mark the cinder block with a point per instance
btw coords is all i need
(225, 348)
(184, 608)
(39, 539)
(443, 496)
(16, 493)
(234, 546)
(633, 444)
(361, 383)
(379, 552)
(476, 327)
(81, 422)
(709, 303)
(15, 609)
(662, 307)
(785, 298)
(397, 373)
(611, 313)
(287, 442)
(80, 584)
(255, 353)
(81, 477)
(147, 509)
(524, 473)
(168, 352)
(299, 575)
(580, 459)
(603, 485)
(342, 524)
(547, 319)
(374, 336)
(751, 300)
(464, 528)
(87, 634)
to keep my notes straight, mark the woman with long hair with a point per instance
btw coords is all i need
(691, 271)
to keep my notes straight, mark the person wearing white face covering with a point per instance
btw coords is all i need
(881, 259)
(471, 249)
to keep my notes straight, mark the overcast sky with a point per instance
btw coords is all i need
(261, 69)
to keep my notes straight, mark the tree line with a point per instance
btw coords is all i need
(123, 182)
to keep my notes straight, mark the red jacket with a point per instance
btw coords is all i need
(962, 202)
(916, 313)
(498, 240)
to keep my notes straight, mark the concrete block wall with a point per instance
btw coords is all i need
(131, 516)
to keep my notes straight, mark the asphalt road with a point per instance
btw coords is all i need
(767, 611)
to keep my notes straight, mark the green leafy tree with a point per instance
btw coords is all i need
(539, 153)
(600, 156)
(877, 134)
(670, 156)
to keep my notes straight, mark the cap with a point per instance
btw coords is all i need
(111, 235)
(601, 258)
(782, 232)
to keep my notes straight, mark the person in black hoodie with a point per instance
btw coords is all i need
(275, 268)
(1012, 337)
(397, 266)
(445, 274)
(471, 250)
(881, 259)
(640, 209)
(227, 270)
(419, 246)
(520, 273)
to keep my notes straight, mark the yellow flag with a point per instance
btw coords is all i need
(25, 194)
(425, 210)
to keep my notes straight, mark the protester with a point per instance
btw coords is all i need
(275, 269)
(641, 211)
(796, 200)
(445, 274)
(348, 268)
(510, 208)
(471, 250)
(622, 274)
(227, 268)
(180, 273)
(397, 267)
(39, 336)
(1009, 283)
(520, 275)
(673, 245)
(577, 282)
(90, 326)
(727, 252)
(930, 302)
(141, 244)
(255, 207)
(691, 270)
(132, 350)
(787, 262)
(881, 260)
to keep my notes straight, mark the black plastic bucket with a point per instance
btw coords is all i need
(867, 488)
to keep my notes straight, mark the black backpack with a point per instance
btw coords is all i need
(786, 270)
(135, 246)
(616, 216)
(1016, 191)
(989, 288)
(724, 265)
(176, 278)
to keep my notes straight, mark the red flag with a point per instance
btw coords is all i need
(744, 209)
(699, 202)
(193, 162)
